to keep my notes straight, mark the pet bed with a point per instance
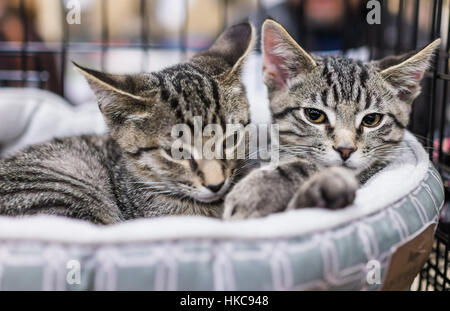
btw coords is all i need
(30, 116)
(380, 242)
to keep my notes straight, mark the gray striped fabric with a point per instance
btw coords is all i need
(334, 259)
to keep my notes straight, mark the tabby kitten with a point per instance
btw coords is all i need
(130, 172)
(340, 121)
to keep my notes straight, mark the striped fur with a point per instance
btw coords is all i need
(340, 148)
(130, 172)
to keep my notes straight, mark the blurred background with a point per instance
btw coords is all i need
(145, 35)
(40, 38)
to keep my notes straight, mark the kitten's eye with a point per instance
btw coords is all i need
(315, 115)
(372, 120)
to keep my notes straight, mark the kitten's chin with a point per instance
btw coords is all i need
(208, 200)
(349, 166)
(354, 169)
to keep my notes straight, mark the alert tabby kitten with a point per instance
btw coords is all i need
(130, 172)
(340, 121)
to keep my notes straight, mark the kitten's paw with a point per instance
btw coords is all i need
(243, 202)
(235, 208)
(254, 197)
(332, 188)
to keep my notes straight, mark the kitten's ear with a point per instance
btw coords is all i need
(115, 93)
(391, 60)
(233, 46)
(283, 58)
(405, 76)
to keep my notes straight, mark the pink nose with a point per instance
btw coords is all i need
(345, 152)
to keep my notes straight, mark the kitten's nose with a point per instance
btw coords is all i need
(215, 188)
(345, 152)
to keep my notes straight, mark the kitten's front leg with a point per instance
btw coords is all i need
(266, 191)
(332, 187)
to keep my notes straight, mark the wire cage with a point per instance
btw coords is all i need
(405, 25)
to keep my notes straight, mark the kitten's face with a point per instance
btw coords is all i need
(344, 114)
(142, 110)
(336, 111)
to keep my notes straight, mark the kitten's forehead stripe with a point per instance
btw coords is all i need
(335, 93)
(358, 96)
(352, 81)
(324, 97)
(363, 76)
(346, 78)
(190, 92)
(378, 102)
(165, 94)
(174, 103)
(368, 101)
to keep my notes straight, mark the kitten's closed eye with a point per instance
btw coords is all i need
(142, 150)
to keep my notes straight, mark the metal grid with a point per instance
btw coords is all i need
(408, 33)
(28, 50)
(436, 273)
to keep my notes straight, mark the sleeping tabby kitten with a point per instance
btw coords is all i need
(130, 172)
(340, 121)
